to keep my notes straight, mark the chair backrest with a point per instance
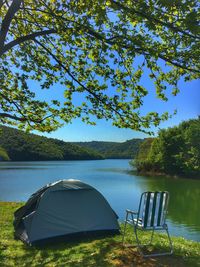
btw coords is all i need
(153, 208)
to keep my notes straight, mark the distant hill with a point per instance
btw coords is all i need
(20, 146)
(17, 145)
(114, 150)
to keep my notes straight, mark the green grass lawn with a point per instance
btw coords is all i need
(100, 252)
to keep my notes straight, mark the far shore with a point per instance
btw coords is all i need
(161, 174)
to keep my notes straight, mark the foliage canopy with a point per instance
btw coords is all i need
(175, 151)
(98, 52)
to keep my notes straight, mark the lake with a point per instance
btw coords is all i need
(18, 180)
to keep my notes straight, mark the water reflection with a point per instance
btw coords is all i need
(184, 199)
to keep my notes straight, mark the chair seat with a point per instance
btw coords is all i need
(139, 224)
(135, 222)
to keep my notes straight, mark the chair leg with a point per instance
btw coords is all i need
(152, 235)
(163, 253)
(124, 231)
(170, 242)
(139, 245)
(125, 226)
(138, 241)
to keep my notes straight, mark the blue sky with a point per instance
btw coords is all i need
(187, 103)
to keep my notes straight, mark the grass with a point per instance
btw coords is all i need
(100, 252)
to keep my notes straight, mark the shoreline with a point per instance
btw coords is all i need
(161, 174)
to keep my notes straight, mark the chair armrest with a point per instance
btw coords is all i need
(132, 212)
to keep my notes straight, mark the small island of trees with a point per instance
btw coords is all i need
(176, 151)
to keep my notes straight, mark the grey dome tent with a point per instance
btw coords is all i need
(64, 209)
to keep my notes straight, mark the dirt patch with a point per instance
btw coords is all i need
(130, 257)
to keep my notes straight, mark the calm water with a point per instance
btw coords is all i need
(18, 180)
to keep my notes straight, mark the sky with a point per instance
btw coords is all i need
(187, 104)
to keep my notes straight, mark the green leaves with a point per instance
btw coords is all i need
(175, 151)
(99, 53)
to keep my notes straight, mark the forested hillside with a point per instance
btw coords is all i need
(114, 150)
(176, 151)
(18, 145)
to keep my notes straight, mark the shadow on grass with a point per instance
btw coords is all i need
(88, 252)
(98, 252)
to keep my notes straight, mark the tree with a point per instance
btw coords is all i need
(143, 161)
(98, 52)
(175, 151)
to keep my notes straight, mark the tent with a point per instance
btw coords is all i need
(64, 209)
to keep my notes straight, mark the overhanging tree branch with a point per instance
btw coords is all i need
(142, 50)
(22, 119)
(14, 117)
(109, 105)
(80, 45)
(24, 39)
(153, 19)
(98, 36)
(19, 110)
(14, 7)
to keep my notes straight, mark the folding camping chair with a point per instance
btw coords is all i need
(151, 215)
